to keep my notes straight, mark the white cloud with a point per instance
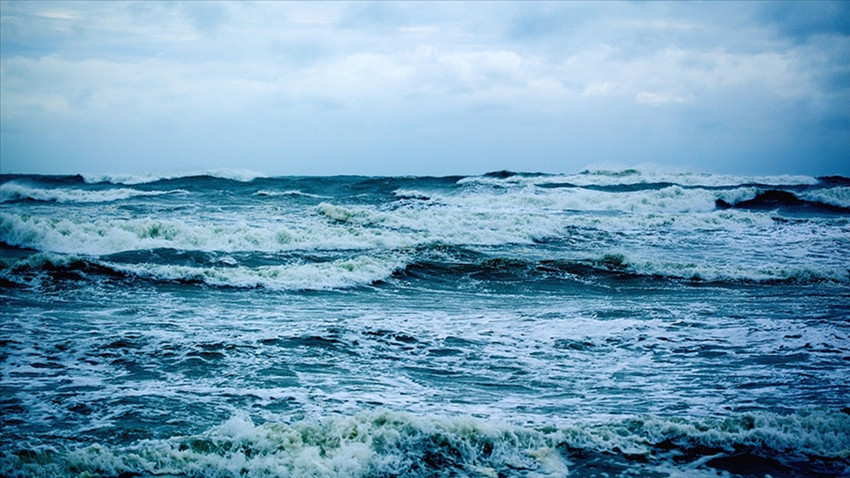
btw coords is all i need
(59, 14)
(604, 88)
(651, 98)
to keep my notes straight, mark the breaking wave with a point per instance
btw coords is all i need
(287, 234)
(386, 443)
(834, 200)
(836, 196)
(337, 274)
(434, 265)
(111, 236)
(659, 198)
(14, 191)
(617, 265)
(292, 275)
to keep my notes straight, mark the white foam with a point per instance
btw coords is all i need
(101, 237)
(414, 194)
(453, 224)
(528, 197)
(738, 271)
(373, 442)
(15, 191)
(339, 274)
(696, 246)
(350, 214)
(670, 231)
(766, 250)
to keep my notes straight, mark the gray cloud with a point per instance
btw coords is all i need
(803, 20)
(410, 88)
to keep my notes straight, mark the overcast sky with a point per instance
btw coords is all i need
(424, 88)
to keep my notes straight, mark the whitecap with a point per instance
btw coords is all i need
(338, 274)
(836, 196)
(15, 191)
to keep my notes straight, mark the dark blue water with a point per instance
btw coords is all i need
(604, 323)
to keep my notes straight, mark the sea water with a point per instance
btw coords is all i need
(604, 323)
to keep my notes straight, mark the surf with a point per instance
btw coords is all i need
(387, 443)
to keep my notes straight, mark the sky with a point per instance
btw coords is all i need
(438, 88)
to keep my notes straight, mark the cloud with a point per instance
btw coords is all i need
(349, 87)
(651, 98)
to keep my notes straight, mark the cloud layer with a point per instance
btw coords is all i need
(412, 88)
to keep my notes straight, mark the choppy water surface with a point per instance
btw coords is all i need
(604, 323)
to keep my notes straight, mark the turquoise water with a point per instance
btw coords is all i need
(603, 323)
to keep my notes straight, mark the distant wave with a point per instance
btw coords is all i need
(15, 191)
(634, 190)
(639, 175)
(269, 193)
(387, 443)
(241, 175)
(646, 199)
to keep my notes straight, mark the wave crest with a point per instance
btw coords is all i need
(646, 174)
(14, 191)
(386, 443)
(779, 199)
(241, 175)
(102, 237)
(616, 265)
(224, 271)
(338, 274)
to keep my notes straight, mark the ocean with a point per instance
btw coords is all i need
(634, 322)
